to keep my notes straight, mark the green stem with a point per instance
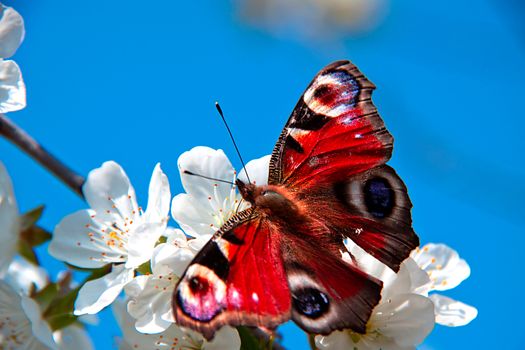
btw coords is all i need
(311, 341)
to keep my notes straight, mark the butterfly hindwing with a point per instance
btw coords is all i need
(228, 281)
(375, 211)
(327, 293)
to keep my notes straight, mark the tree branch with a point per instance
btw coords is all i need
(26, 143)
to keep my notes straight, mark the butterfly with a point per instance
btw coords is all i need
(281, 259)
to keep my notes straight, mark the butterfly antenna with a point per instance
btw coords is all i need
(187, 172)
(219, 109)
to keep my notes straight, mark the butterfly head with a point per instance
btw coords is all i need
(270, 199)
(248, 191)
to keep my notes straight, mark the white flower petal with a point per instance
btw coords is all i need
(97, 294)
(16, 331)
(342, 340)
(174, 258)
(22, 275)
(258, 170)
(174, 235)
(366, 262)
(406, 318)
(148, 304)
(141, 243)
(196, 244)
(226, 338)
(73, 338)
(409, 279)
(39, 327)
(9, 221)
(110, 194)
(208, 204)
(137, 340)
(442, 264)
(12, 87)
(159, 197)
(208, 162)
(452, 313)
(192, 217)
(78, 240)
(11, 31)
(150, 296)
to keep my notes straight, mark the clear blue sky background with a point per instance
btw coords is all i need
(135, 82)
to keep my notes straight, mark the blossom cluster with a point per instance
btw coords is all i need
(116, 231)
(24, 286)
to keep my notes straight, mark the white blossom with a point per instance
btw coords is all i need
(115, 230)
(173, 338)
(9, 221)
(22, 275)
(21, 323)
(73, 337)
(402, 319)
(315, 18)
(446, 270)
(150, 295)
(208, 204)
(12, 87)
(406, 314)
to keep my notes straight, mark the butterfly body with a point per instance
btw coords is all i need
(281, 258)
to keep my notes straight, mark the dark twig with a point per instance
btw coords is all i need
(26, 143)
(311, 341)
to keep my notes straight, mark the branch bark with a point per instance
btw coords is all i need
(29, 145)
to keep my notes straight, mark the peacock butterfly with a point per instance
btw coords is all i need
(281, 257)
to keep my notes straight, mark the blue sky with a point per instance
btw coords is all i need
(136, 82)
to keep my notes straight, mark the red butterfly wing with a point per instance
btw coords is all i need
(333, 131)
(327, 293)
(228, 281)
(331, 152)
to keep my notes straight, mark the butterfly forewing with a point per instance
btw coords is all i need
(333, 131)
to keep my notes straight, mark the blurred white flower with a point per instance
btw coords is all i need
(315, 18)
(150, 295)
(73, 337)
(114, 231)
(173, 338)
(12, 87)
(22, 275)
(401, 320)
(21, 323)
(9, 221)
(446, 270)
(208, 204)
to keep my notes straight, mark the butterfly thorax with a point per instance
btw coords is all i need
(271, 200)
